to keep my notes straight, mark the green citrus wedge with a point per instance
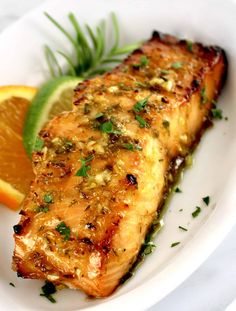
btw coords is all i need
(52, 98)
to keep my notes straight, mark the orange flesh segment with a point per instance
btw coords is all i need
(15, 167)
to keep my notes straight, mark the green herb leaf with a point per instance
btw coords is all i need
(140, 105)
(141, 84)
(48, 198)
(63, 229)
(39, 143)
(165, 72)
(177, 65)
(216, 113)
(182, 228)
(43, 209)
(144, 61)
(141, 121)
(82, 172)
(108, 127)
(178, 190)
(48, 290)
(203, 97)
(206, 200)
(149, 248)
(175, 244)
(128, 146)
(196, 212)
(189, 45)
(131, 147)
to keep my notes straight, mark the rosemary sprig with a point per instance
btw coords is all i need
(91, 54)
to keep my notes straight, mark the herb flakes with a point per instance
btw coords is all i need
(43, 209)
(63, 229)
(143, 61)
(175, 244)
(177, 65)
(203, 96)
(178, 190)
(149, 247)
(108, 127)
(12, 284)
(48, 198)
(140, 105)
(141, 121)
(216, 113)
(206, 200)
(196, 212)
(82, 172)
(182, 228)
(131, 147)
(48, 290)
(189, 45)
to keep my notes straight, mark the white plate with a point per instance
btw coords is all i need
(213, 173)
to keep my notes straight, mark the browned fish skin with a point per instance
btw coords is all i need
(107, 213)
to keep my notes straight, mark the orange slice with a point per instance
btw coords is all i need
(15, 167)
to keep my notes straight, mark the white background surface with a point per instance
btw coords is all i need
(213, 286)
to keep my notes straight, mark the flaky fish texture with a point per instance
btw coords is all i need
(105, 167)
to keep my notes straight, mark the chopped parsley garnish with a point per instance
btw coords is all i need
(182, 228)
(175, 244)
(48, 290)
(165, 72)
(206, 200)
(166, 124)
(131, 147)
(48, 198)
(178, 190)
(141, 121)
(140, 105)
(43, 209)
(148, 248)
(12, 284)
(124, 87)
(196, 212)
(141, 84)
(63, 229)
(176, 65)
(108, 127)
(144, 61)
(39, 143)
(189, 45)
(203, 95)
(216, 113)
(82, 172)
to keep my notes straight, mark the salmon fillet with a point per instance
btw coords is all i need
(106, 166)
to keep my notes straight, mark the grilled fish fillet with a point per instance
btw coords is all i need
(105, 167)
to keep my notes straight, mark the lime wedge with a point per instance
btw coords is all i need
(52, 98)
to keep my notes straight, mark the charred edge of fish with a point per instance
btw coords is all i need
(18, 229)
(86, 241)
(132, 179)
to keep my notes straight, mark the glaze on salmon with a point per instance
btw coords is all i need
(105, 167)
